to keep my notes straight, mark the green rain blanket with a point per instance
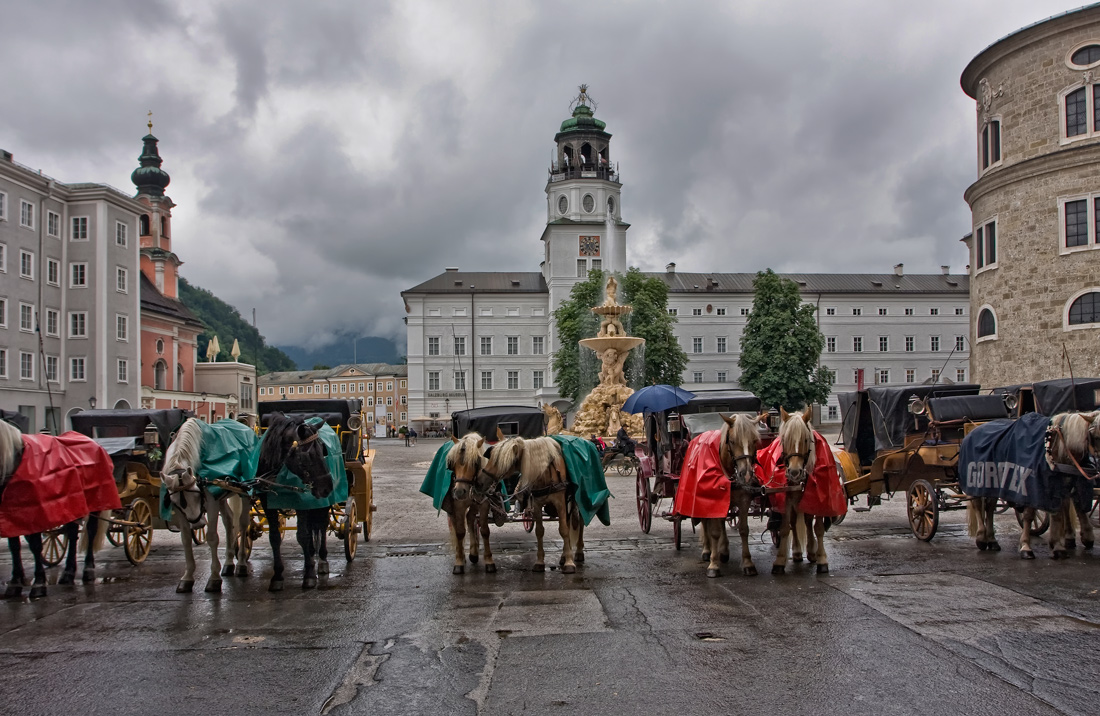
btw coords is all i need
(291, 500)
(582, 460)
(437, 483)
(230, 451)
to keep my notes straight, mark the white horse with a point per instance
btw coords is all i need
(195, 507)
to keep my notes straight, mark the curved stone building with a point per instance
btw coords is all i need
(1035, 241)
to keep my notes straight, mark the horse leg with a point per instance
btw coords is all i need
(1058, 524)
(472, 529)
(991, 542)
(747, 567)
(320, 539)
(229, 522)
(811, 538)
(820, 557)
(780, 565)
(244, 524)
(715, 529)
(275, 538)
(483, 518)
(457, 522)
(1025, 534)
(187, 582)
(95, 531)
(38, 589)
(798, 535)
(213, 507)
(305, 539)
(704, 534)
(565, 529)
(540, 530)
(577, 523)
(72, 531)
(15, 586)
(1087, 540)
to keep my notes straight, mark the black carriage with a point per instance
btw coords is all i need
(136, 440)
(345, 417)
(668, 433)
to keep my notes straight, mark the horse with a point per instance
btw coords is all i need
(197, 504)
(471, 494)
(1071, 439)
(297, 445)
(799, 459)
(93, 478)
(543, 481)
(737, 442)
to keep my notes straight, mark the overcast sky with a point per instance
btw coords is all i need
(326, 155)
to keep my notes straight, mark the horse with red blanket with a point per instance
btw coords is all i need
(46, 481)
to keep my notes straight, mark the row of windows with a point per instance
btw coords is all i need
(1079, 227)
(934, 344)
(721, 344)
(77, 367)
(538, 379)
(830, 311)
(719, 376)
(884, 376)
(720, 311)
(337, 388)
(1081, 310)
(463, 311)
(78, 271)
(78, 225)
(538, 345)
(78, 321)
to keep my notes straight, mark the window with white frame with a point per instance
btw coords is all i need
(51, 369)
(538, 345)
(460, 345)
(79, 228)
(370, 401)
(486, 345)
(856, 372)
(910, 344)
(857, 311)
(857, 344)
(513, 345)
(53, 224)
(53, 321)
(78, 275)
(122, 327)
(960, 343)
(832, 412)
(26, 317)
(882, 311)
(76, 368)
(884, 376)
(720, 311)
(389, 400)
(537, 378)
(910, 375)
(389, 386)
(3, 312)
(696, 345)
(361, 387)
(309, 389)
(830, 311)
(26, 214)
(343, 387)
(460, 379)
(883, 344)
(53, 272)
(370, 387)
(122, 280)
(513, 380)
(486, 380)
(960, 375)
(1080, 111)
(582, 268)
(3, 362)
(934, 343)
(1078, 223)
(697, 376)
(123, 371)
(3, 206)
(909, 311)
(935, 375)
(673, 311)
(985, 245)
(721, 347)
(696, 311)
(78, 324)
(3, 258)
(433, 345)
(404, 400)
(991, 144)
(26, 264)
(960, 311)
(1084, 309)
(933, 311)
(26, 365)
(404, 417)
(721, 376)
(830, 344)
(744, 311)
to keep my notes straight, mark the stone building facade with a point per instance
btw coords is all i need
(383, 388)
(1035, 240)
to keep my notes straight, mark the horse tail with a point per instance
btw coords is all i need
(1074, 524)
(973, 517)
(100, 536)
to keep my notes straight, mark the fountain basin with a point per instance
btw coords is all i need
(619, 343)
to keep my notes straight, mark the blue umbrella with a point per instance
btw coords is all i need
(656, 398)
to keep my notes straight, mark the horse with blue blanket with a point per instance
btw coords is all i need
(1035, 463)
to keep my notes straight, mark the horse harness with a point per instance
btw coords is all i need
(1055, 433)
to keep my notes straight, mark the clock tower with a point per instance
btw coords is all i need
(584, 229)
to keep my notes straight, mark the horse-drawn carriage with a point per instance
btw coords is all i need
(668, 433)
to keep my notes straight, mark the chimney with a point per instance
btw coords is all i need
(6, 155)
(451, 269)
(671, 268)
(899, 269)
(946, 270)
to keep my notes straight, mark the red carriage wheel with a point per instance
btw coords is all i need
(645, 505)
(55, 544)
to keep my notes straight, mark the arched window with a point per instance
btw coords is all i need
(122, 405)
(164, 227)
(587, 156)
(179, 377)
(144, 224)
(1085, 310)
(987, 323)
(160, 375)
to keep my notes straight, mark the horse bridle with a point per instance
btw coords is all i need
(736, 477)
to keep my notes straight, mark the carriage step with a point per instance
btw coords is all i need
(374, 508)
(861, 509)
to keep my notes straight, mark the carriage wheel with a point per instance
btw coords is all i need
(1039, 524)
(138, 538)
(55, 544)
(837, 520)
(350, 528)
(625, 467)
(645, 507)
(528, 520)
(368, 509)
(1002, 507)
(677, 530)
(923, 509)
(198, 536)
(116, 531)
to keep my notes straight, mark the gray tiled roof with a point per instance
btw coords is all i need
(483, 282)
(306, 376)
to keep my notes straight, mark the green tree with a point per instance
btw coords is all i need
(781, 346)
(665, 359)
(321, 366)
(575, 321)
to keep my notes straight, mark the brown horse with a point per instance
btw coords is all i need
(797, 440)
(468, 508)
(543, 481)
(1073, 438)
(737, 455)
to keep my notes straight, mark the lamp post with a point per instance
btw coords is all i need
(92, 402)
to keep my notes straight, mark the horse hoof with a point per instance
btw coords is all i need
(309, 583)
(712, 572)
(214, 585)
(749, 571)
(994, 546)
(67, 577)
(579, 557)
(796, 558)
(185, 585)
(822, 569)
(227, 570)
(1027, 554)
(778, 569)
(982, 546)
(276, 585)
(705, 556)
(458, 569)
(1071, 544)
(88, 576)
(568, 568)
(322, 567)
(724, 558)
(473, 559)
(13, 590)
(38, 591)
(1088, 545)
(539, 568)
(812, 559)
(490, 568)
(242, 570)
(1060, 554)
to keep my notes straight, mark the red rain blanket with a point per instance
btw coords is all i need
(823, 496)
(60, 479)
(704, 489)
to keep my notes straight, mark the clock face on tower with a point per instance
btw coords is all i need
(590, 246)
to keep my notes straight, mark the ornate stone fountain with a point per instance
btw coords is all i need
(600, 412)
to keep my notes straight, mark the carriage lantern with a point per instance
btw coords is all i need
(917, 406)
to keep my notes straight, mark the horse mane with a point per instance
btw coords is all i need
(1075, 435)
(275, 446)
(465, 452)
(539, 455)
(503, 458)
(794, 433)
(743, 433)
(11, 445)
(185, 449)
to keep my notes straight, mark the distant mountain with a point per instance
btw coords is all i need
(226, 323)
(347, 348)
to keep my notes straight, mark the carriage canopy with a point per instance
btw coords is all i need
(129, 423)
(334, 411)
(521, 420)
(882, 414)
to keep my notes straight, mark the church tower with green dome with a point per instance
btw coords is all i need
(159, 264)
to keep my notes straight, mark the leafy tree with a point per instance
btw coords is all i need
(665, 359)
(781, 346)
(575, 321)
(321, 366)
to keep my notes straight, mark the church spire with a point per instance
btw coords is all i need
(149, 178)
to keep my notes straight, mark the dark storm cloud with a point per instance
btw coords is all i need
(345, 151)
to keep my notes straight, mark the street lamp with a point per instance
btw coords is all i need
(91, 402)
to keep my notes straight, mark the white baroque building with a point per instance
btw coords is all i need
(479, 339)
